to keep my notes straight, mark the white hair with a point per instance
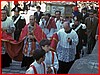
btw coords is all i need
(66, 23)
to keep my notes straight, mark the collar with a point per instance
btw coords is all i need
(68, 31)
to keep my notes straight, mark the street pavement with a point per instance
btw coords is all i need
(15, 68)
(88, 64)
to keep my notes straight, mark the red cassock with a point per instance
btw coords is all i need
(54, 42)
(14, 48)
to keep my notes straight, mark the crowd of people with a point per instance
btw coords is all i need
(48, 44)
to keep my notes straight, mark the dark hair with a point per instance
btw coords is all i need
(84, 9)
(38, 53)
(58, 11)
(38, 7)
(48, 14)
(44, 42)
(91, 11)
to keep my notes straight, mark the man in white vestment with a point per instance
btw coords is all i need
(7, 27)
(66, 48)
(58, 20)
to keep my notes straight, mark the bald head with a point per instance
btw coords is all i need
(66, 26)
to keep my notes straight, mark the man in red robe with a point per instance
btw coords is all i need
(14, 49)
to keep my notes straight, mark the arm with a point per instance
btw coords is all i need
(55, 64)
(75, 39)
(30, 71)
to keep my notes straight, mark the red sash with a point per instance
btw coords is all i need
(44, 67)
(54, 41)
(34, 68)
(35, 72)
(53, 62)
(52, 57)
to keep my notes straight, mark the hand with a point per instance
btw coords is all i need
(68, 40)
(49, 70)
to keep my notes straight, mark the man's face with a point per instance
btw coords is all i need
(46, 48)
(91, 15)
(31, 20)
(3, 14)
(38, 9)
(84, 11)
(42, 58)
(16, 13)
(76, 22)
(57, 14)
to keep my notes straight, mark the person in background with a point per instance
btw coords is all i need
(48, 25)
(83, 15)
(66, 48)
(38, 14)
(58, 20)
(7, 28)
(80, 30)
(91, 24)
(19, 22)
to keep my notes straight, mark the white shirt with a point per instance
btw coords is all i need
(39, 68)
(38, 13)
(48, 61)
(58, 24)
(7, 24)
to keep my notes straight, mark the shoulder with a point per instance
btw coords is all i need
(30, 71)
(73, 32)
(52, 19)
(52, 52)
(41, 12)
(87, 18)
(61, 31)
(35, 12)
